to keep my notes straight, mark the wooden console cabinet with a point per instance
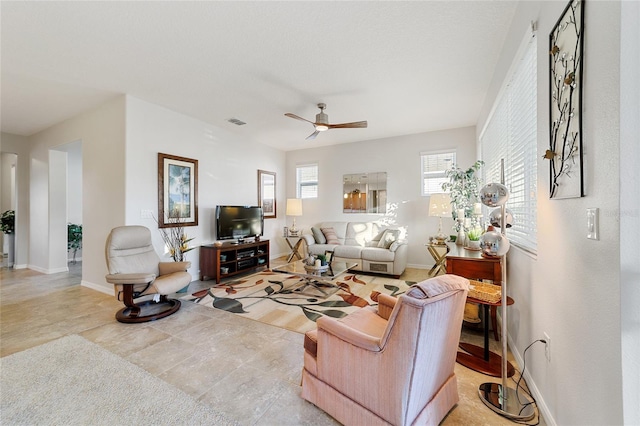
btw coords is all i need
(230, 259)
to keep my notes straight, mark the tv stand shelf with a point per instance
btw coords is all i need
(236, 257)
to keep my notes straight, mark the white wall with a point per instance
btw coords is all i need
(400, 158)
(102, 134)
(571, 289)
(20, 145)
(227, 168)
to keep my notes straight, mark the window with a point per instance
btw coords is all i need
(510, 134)
(434, 165)
(307, 181)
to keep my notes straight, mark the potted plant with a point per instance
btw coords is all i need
(474, 235)
(74, 239)
(7, 225)
(8, 222)
(464, 188)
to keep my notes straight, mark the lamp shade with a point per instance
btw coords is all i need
(294, 207)
(440, 205)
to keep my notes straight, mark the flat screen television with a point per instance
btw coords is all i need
(239, 222)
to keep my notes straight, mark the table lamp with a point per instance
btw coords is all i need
(439, 206)
(294, 208)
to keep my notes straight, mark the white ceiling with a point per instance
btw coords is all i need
(406, 67)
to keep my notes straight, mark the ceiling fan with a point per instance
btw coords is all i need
(322, 122)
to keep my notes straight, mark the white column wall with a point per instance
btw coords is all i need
(630, 208)
(400, 158)
(57, 212)
(20, 145)
(227, 165)
(571, 288)
(102, 132)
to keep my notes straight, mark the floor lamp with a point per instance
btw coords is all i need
(500, 397)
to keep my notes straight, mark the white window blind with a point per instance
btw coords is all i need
(510, 134)
(307, 181)
(434, 166)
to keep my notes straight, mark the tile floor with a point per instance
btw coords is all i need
(248, 370)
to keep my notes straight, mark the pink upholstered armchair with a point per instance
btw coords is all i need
(391, 364)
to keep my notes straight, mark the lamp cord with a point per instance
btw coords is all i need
(518, 386)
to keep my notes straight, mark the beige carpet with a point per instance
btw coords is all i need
(72, 381)
(271, 297)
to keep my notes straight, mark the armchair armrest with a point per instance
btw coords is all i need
(386, 304)
(348, 334)
(171, 267)
(142, 278)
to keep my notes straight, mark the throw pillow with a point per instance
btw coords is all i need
(330, 235)
(388, 237)
(394, 246)
(318, 235)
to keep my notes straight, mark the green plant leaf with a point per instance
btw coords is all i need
(229, 305)
(335, 304)
(313, 316)
(334, 313)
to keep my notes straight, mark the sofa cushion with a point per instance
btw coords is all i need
(389, 236)
(340, 228)
(321, 248)
(349, 252)
(359, 233)
(318, 235)
(377, 254)
(330, 235)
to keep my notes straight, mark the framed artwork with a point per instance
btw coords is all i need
(267, 193)
(565, 103)
(177, 191)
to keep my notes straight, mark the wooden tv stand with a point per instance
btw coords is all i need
(237, 257)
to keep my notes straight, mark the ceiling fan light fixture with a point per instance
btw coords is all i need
(321, 127)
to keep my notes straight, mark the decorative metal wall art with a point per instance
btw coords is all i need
(565, 103)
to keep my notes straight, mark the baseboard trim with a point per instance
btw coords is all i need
(543, 409)
(97, 287)
(48, 271)
(418, 266)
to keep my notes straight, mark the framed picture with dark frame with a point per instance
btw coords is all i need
(267, 193)
(565, 103)
(177, 191)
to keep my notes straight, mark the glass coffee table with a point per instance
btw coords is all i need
(319, 280)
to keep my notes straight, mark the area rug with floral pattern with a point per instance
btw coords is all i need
(274, 298)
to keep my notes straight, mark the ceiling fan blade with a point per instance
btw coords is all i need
(312, 135)
(298, 117)
(354, 125)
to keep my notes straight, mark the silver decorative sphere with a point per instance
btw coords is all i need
(494, 195)
(495, 218)
(494, 244)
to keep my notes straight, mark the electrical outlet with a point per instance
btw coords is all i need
(547, 347)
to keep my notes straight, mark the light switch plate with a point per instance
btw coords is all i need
(592, 224)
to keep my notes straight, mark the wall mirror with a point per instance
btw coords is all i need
(365, 193)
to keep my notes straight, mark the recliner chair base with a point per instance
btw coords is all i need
(132, 314)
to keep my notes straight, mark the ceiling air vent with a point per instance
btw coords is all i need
(236, 121)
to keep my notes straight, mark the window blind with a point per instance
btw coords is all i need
(434, 166)
(510, 134)
(307, 181)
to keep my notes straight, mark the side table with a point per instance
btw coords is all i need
(295, 247)
(482, 359)
(440, 258)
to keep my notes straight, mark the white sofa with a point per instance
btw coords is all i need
(360, 242)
